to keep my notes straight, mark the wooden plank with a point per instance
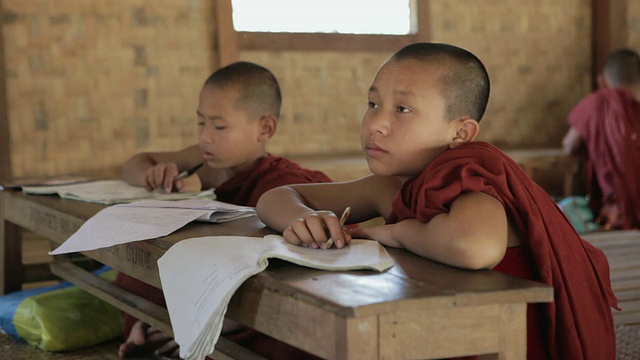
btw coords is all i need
(487, 329)
(226, 37)
(322, 42)
(143, 309)
(10, 251)
(6, 174)
(609, 32)
(421, 11)
(356, 339)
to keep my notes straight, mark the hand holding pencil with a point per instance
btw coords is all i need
(160, 178)
(343, 219)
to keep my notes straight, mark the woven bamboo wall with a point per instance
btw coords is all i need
(324, 98)
(90, 83)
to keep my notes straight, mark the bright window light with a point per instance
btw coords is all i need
(391, 17)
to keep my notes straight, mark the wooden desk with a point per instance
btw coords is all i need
(417, 309)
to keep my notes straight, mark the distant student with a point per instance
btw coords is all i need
(605, 130)
(456, 201)
(237, 115)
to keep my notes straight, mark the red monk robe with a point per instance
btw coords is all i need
(608, 121)
(243, 189)
(578, 324)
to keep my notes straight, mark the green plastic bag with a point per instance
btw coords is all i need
(67, 319)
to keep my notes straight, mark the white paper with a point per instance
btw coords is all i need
(220, 211)
(116, 225)
(110, 192)
(149, 219)
(200, 275)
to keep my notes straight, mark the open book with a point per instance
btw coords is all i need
(200, 275)
(111, 192)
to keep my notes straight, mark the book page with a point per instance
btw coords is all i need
(116, 225)
(360, 254)
(110, 192)
(200, 275)
(220, 211)
(147, 219)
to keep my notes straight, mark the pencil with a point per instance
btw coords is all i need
(188, 172)
(343, 219)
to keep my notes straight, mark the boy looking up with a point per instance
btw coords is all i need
(456, 201)
(237, 114)
(605, 131)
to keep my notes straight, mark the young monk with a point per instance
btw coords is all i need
(237, 114)
(605, 131)
(456, 201)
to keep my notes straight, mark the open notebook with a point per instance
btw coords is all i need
(111, 192)
(200, 275)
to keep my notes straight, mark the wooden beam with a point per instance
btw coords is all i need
(226, 37)
(5, 139)
(422, 12)
(322, 42)
(609, 32)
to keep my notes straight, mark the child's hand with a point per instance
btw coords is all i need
(161, 177)
(315, 229)
(381, 234)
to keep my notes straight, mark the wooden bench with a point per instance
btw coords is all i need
(623, 252)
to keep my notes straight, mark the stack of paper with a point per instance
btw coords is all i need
(150, 219)
(217, 211)
(111, 192)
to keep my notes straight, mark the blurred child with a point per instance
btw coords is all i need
(605, 131)
(237, 114)
(456, 201)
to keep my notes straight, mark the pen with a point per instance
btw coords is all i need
(188, 172)
(343, 219)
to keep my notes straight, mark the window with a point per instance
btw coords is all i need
(320, 25)
(385, 17)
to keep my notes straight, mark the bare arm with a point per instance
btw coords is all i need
(157, 170)
(473, 235)
(306, 213)
(572, 142)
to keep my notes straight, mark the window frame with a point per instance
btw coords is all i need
(230, 41)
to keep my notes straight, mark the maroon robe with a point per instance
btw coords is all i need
(579, 323)
(244, 188)
(608, 121)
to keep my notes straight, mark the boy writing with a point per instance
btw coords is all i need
(605, 130)
(237, 114)
(450, 199)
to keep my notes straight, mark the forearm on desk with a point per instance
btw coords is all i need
(279, 207)
(134, 170)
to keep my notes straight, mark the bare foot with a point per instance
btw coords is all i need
(145, 340)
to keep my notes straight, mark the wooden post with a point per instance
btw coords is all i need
(5, 139)
(421, 13)
(226, 36)
(609, 32)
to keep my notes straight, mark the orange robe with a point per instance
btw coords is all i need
(579, 323)
(608, 121)
(244, 189)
